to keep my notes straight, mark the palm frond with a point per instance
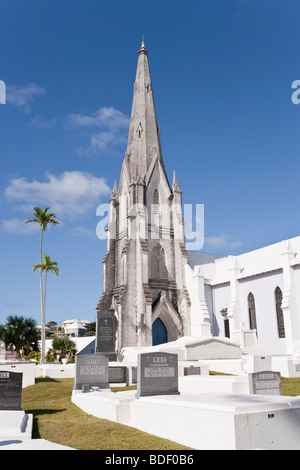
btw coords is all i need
(43, 218)
(47, 265)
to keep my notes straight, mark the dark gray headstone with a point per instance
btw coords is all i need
(117, 374)
(10, 390)
(192, 370)
(265, 383)
(91, 369)
(157, 374)
(134, 374)
(105, 332)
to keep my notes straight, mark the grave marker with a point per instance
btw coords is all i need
(117, 374)
(105, 333)
(265, 383)
(157, 374)
(10, 390)
(92, 370)
(192, 370)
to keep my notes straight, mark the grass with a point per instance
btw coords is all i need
(291, 386)
(58, 420)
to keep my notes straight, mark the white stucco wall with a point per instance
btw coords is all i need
(229, 280)
(263, 288)
(221, 297)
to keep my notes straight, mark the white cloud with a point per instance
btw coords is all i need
(71, 194)
(110, 117)
(23, 96)
(104, 128)
(41, 123)
(221, 242)
(17, 226)
(84, 231)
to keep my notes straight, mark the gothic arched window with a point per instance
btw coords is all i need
(158, 268)
(252, 312)
(155, 196)
(279, 313)
(155, 202)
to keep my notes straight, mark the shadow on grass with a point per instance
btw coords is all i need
(35, 429)
(44, 411)
(35, 425)
(44, 379)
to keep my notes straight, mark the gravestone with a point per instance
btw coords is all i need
(105, 333)
(10, 355)
(192, 370)
(117, 374)
(134, 375)
(2, 351)
(92, 370)
(157, 374)
(265, 383)
(10, 390)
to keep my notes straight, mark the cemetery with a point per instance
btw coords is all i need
(176, 398)
(246, 411)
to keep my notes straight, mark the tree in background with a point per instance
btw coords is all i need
(42, 218)
(52, 325)
(47, 266)
(19, 333)
(63, 347)
(91, 329)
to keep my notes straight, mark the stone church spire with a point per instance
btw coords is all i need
(144, 266)
(143, 138)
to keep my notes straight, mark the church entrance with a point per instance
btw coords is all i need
(159, 332)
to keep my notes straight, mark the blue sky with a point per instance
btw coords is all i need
(222, 72)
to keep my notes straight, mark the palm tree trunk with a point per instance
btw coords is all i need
(42, 305)
(43, 320)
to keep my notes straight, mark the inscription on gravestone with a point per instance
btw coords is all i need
(265, 383)
(10, 390)
(157, 374)
(91, 369)
(105, 333)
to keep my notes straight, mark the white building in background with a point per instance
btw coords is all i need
(75, 327)
(256, 294)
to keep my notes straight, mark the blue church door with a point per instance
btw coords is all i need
(159, 332)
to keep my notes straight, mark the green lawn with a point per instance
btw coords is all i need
(58, 420)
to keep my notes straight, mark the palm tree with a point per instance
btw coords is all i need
(63, 346)
(19, 332)
(47, 266)
(44, 219)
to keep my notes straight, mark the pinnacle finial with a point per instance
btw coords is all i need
(143, 48)
(175, 186)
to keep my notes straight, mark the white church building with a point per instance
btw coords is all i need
(158, 290)
(256, 294)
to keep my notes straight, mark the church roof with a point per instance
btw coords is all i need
(198, 258)
(257, 262)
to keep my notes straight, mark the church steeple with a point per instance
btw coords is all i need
(144, 267)
(143, 138)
